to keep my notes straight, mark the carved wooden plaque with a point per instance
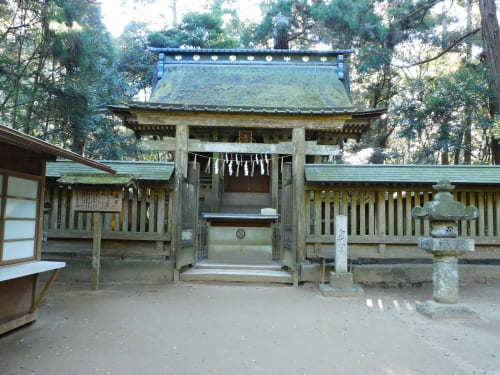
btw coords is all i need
(98, 200)
(245, 136)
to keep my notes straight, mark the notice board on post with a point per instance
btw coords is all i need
(98, 200)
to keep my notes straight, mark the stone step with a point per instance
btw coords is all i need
(206, 264)
(237, 275)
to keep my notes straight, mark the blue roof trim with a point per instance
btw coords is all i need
(236, 51)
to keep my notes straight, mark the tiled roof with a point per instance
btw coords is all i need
(247, 109)
(424, 174)
(96, 179)
(141, 170)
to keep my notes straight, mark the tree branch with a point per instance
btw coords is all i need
(443, 52)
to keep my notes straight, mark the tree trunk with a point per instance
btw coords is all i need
(467, 136)
(491, 47)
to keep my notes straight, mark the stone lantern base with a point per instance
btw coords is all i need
(341, 285)
(445, 279)
(436, 310)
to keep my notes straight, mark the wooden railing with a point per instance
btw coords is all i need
(382, 215)
(145, 215)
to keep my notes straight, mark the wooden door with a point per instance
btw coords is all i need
(190, 212)
(287, 229)
(247, 184)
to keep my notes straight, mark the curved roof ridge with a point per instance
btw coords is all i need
(250, 50)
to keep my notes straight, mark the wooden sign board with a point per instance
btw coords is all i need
(245, 136)
(98, 201)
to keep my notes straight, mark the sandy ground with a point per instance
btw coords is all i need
(242, 329)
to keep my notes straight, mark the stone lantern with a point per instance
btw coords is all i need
(444, 212)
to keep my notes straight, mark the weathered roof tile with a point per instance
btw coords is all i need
(424, 174)
(142, 170)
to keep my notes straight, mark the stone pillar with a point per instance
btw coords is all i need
(341, 281)
(340, 244)
(299, 160)
(445, 279)
(181, 168)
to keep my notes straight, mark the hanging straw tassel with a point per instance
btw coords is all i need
(195, 161)
(230, 166)
(246, 167)
(282, 166)
(216, 166)
(207, 168)
(253, 167)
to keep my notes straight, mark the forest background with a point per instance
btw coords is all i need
(435, 64)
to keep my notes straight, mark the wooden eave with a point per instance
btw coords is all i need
(148, 121)
(47, 150)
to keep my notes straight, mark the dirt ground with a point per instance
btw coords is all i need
(242, 329)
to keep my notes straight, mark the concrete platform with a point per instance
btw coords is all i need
(207, 264)
(436, 310)
(232, 274)
(353, 291)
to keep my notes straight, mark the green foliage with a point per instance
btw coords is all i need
(432, 112)
(204, 30)
(63, 66)
(59, 68)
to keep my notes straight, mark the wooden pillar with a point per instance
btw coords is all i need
(96, 249)
(160, 218)
(275, 181)
(299, 159)
(181, 167)
(216, 185)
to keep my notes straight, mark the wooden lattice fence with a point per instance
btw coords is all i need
(382, 215)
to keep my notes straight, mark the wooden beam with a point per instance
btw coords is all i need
(195, 145)
(181, 170)
(108, 235)
(275, 182)
(239, 120)
(13, 324)
(96, 249)
(298, 163)
(216, 183)
(44, 291)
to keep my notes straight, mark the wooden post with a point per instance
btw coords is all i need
(381, 214)
(216, 185)
(408, 218)
(160, 219)
(317, 212)
(481, 211)
(327, 211)
(44, 291)
(354, 213)
(55, 209)
(299, 160)
(181, 168)
(275, 181)
(362, 213)
(399, 216)
(96, 248)
(490, 214)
